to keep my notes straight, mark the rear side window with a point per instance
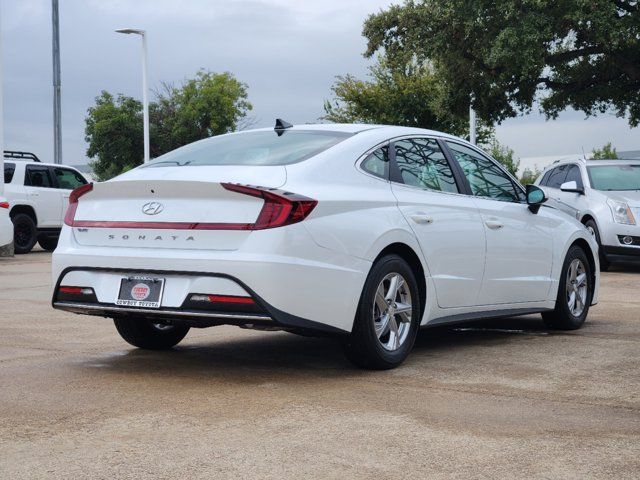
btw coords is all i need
(422, 164)
(38, 177)
(68, 179)
(9, 169)
(377, 163)
(253, 148)
(557, 176)
(573, 175)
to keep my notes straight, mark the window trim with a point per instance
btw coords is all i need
(513, 180)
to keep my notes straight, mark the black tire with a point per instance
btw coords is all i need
(363, 347)
(562, 318)
(48, 243)
(25, 233)
(142, 333)
(604, 263)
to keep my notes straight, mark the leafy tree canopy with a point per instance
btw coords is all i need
(209, 104)
(605, 153)
(398, 92)
(505, 155)
(507, 55)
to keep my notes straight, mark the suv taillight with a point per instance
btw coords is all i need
(73, 202)
(279, 209)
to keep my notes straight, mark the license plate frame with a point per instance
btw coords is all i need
(140, 291)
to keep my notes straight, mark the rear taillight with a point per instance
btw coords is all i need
(279, 209)
(76, 290)
(222, 299)
(4, 204)
(73, 202)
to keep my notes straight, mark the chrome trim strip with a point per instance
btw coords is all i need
(88, 307)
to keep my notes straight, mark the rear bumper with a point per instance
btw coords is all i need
(6, 230)
(271, 318)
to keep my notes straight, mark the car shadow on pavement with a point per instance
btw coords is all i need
(255, 357)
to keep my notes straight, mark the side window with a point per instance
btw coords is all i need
(485, 178)
(38, 177)
(377, 163)
(422, 164)
(545, 178)
(68, 179)
(9, 169)
(573, 175)
(557, 177)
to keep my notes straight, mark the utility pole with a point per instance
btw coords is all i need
(472, 124)
(57, 117)
(145, 88)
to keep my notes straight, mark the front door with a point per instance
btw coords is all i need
(519, 243)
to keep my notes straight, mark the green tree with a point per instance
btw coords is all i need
(397, 92)
(605, 153)
(505, 156)
(209, 104)
(114, 133)
(507, 55)
(529, 175)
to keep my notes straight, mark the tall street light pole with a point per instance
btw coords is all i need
(472, 125)
(145, 99)
(1, 115)
(57, 117)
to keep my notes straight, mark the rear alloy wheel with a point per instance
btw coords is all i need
(574, 293)
(593, 230)
(388, 316)
(25, 233)
(143, 333)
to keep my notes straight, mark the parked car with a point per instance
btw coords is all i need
(6, 227)
(359, 231)
(604, 195)
(38, 194)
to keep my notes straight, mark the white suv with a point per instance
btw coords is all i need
(605, 196)
(38, 195)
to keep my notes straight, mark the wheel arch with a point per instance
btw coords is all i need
(26, 209)
(410, 256)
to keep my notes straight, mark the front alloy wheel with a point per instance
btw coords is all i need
(577, 287)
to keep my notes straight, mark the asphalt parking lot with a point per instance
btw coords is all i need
(501, 399)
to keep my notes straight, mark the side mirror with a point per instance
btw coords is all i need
(535, 197)
(572, 187)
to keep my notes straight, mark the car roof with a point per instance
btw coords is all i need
(614, 162)
(392, 130)
(38, 164)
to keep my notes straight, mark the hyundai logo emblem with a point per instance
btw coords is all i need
(152, 208)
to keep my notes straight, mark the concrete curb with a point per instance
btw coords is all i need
(7, 250)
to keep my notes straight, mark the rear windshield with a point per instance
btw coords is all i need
(252, 148)
(615, 177)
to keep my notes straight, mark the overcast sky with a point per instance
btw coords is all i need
(287, 51)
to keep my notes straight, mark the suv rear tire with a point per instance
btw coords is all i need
(142, 333)
(574, 293)
(25, 233)
(48, 243)
(388, 316)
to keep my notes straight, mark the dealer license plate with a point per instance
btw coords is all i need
(142, 292)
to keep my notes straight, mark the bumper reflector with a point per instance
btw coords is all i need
(76, 290)
(231, 299)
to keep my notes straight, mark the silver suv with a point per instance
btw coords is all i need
(605, 196)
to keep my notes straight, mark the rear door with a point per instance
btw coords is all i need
(43, 194)
(519, 243)
(446, 223)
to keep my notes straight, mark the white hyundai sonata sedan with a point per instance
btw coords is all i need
(359, 231)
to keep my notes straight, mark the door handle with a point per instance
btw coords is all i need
(421, 218)
(493, 224)
(34, 194)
